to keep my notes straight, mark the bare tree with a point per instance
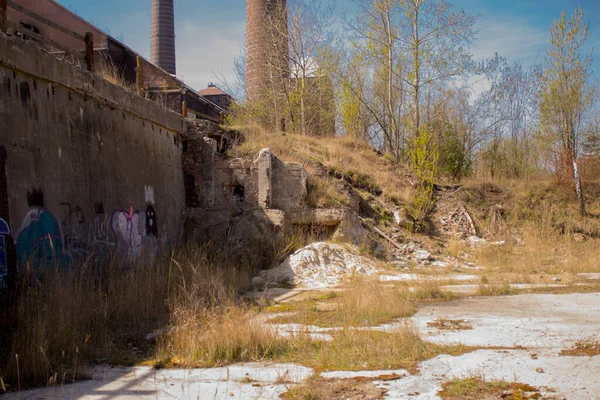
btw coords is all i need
(310, 25)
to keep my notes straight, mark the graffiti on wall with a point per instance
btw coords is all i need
(40, 239)
(4, 234)
(7, 247)
(100, 239)
(133, 242)
(132, 235)
(151, 223)
(72, 228)
(136, 232)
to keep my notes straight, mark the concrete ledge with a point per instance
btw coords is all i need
(27, 58)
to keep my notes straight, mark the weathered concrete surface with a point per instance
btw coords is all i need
(288, 184)
(563, 377)
(242, 381)
(529, 320)
(265, 173)
(238, 200)
(473, 289)
(93, 149)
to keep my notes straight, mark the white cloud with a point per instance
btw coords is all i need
(204, 51)
(510, 37)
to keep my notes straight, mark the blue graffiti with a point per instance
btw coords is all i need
(40, 240)
(4, 231)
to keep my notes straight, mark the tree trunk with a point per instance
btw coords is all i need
(390, 82)
(417, 73)
(579, 188)
(303, 104)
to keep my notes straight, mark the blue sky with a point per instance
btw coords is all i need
(210, 33)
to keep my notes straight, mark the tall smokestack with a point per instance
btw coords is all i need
(162, 50)
(267, 48)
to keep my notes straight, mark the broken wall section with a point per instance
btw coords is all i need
(244, 202)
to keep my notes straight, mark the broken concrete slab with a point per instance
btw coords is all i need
(245, 381)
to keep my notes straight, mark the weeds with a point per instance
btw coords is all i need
(343, 389)
(588, 348)
(476, 388)
(220, 336)
(357, 349)
(495, 290)
(364, 303)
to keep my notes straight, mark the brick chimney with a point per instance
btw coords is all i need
(162, 50)
(267, 46)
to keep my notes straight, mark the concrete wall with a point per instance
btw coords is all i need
(106, 162)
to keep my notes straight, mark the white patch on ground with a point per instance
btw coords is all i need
(573, 377)
(315, 332)
(544, 324)
(361, 374)
(420, 278)
(591, 276)
(240, 381)
(320, 265)
(472, 289)
(475, 241)
(530, 320)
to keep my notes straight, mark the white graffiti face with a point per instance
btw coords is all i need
(149, 194)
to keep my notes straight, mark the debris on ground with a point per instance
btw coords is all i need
(588, 348)
(319, 265)
(451, 324)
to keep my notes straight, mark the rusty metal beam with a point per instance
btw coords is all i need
(89, 51)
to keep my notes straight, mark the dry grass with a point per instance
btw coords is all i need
(201, 337)
(543, 251)
(502, 289)
(110, 72)
(234, 334)
(431, 291)
(322, 193)
(102, 313)
(587, 348)
(337, 389)
(368, 302)
(540, 223)
(476, 388)
(197, 338)
(364, 302)
(359, 349)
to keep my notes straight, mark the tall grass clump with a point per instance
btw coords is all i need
(368, 302)
(61, 319)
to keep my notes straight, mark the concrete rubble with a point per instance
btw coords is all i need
(319, 265)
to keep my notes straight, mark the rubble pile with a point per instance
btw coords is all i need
(318, 265)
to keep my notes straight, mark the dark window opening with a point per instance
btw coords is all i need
(238, 193)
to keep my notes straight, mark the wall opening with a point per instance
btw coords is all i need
(238, 193)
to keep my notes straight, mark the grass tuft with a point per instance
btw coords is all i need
(476, 388)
